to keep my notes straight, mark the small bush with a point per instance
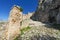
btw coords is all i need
(25, 29)
(21, 9)
(22, 31)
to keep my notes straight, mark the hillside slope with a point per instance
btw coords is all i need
(39, 31)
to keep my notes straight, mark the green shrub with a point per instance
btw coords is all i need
(22, 31)
(25, 29)
(21, 9)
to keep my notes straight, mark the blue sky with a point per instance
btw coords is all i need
(27, 5)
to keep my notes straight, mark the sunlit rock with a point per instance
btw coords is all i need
(14, 20)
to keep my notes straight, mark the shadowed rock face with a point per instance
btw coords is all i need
(14, 23)
(47, 11)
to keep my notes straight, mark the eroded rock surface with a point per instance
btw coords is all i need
(14, 23)
(47, 11)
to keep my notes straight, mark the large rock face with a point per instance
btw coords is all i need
(47, 11)
(14, 22)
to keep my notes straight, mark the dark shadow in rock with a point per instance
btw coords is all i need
(54, 26)
(50, 25)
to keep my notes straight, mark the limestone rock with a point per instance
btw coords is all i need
(14, 23)
(25, 21)
(47, 11)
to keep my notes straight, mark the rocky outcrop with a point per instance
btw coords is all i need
(47, 11)
(39, 31)
(26, 18)
(14, 23)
